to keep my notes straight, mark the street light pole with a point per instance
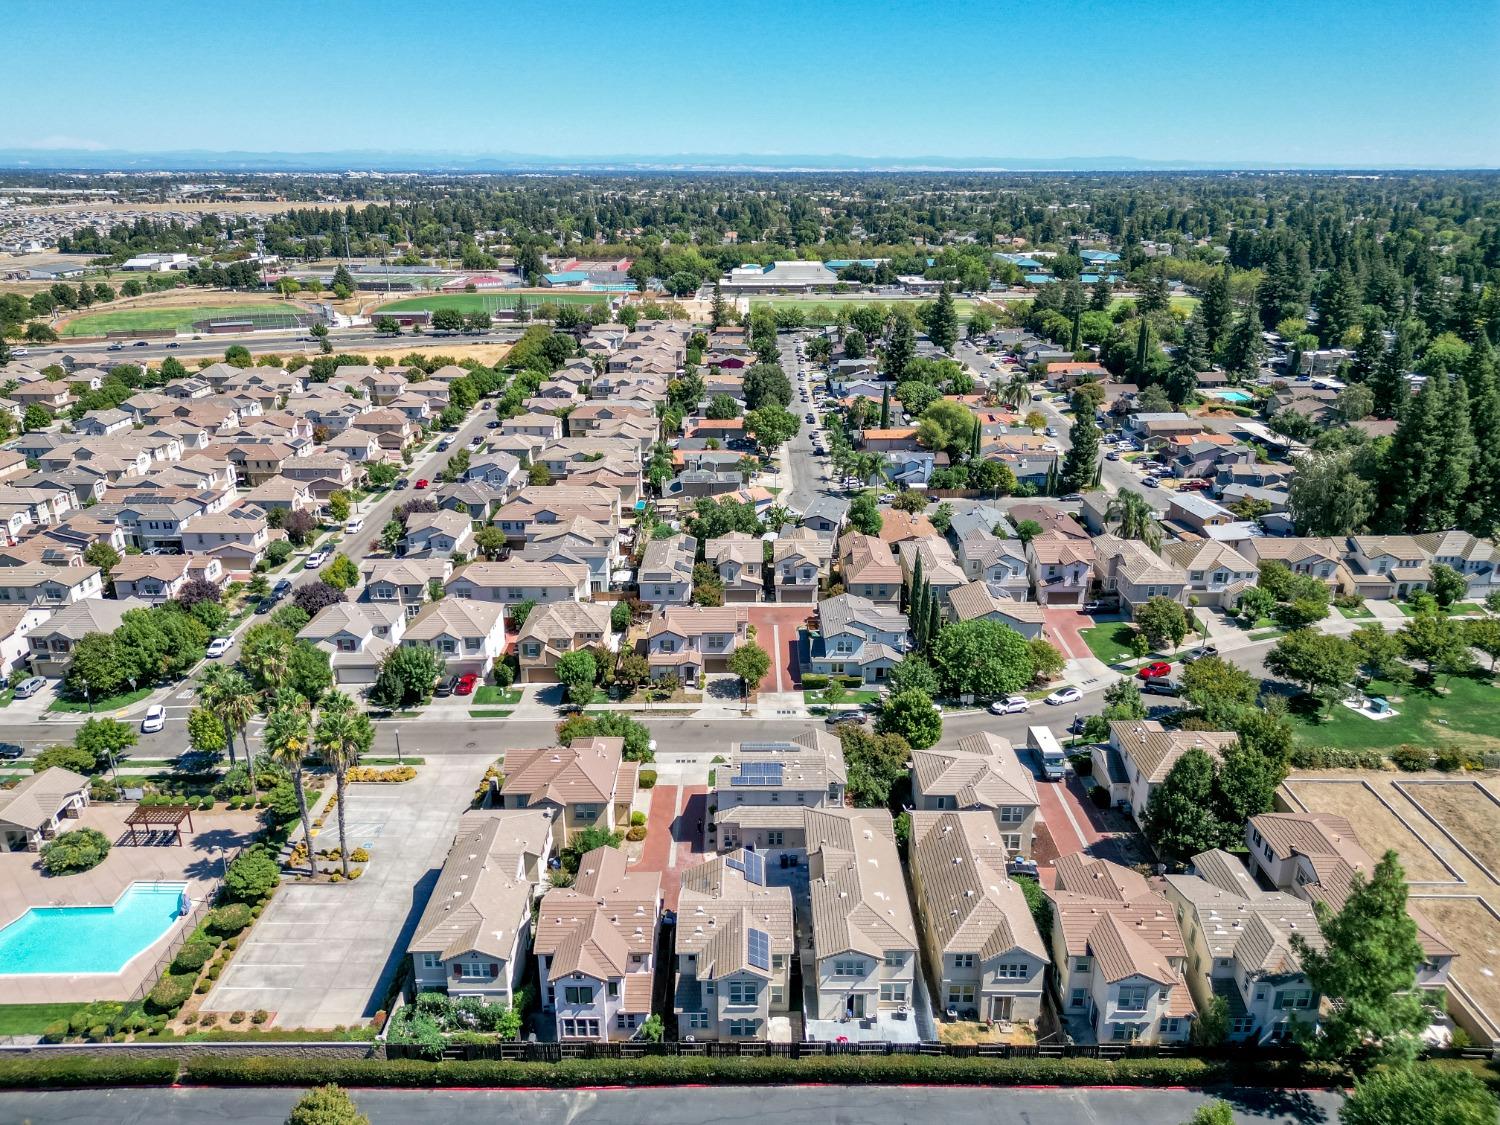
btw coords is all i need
(397, 729)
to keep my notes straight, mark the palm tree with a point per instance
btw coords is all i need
(343, 733)
(265, 655)
(1017, 392)
(286, 737)
(1132, 518)
(226, 692)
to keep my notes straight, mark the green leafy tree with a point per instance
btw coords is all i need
(264, 652)
(1211, 681)
(105, 739)
(985, 659)
(406, 677)
(1483, 633)
(1446, 584)
(750, 663)
(1180, 818)
(772, 426)
(206, 731)
(912, 716)
(1328, 495)
(876, 765)
(341, 572)
(1438, 643)
(1244, 786)
(1367, 970)
(309, 671)
(68, 758)
(252, 877)
(1419, 1095)
(69, 853)
(864, 516)
(942, 320)
(1321, 664)
(577, 671)
(619, 617)
(1081, 462)
(610, 724)
(912, 673)
(1162, 620)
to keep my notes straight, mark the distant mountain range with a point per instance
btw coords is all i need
(360, 160)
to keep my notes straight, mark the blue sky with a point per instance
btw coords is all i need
(1357, 82)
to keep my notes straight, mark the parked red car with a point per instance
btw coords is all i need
(1155, 670)
(1196, 485)
(421, 483)
(466, 684)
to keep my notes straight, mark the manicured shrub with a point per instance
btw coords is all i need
(260, 1017)
(1411, 758)
(192, 957)
(226, 921)
(637, 819)
(55, 1032)
(237, 1017)
(360, 855)
(326, 1105)
(68, 853)
(169, 994)
(1451, 758)
(647, 779)
(251, 877)
(62, 1071)
(637, 833)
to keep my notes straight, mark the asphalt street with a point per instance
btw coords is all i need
(786, 1105)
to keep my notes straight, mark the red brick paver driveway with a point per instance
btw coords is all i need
(674, 835)
(1064, 625)
(776, 631)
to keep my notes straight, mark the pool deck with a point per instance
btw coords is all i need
(23, 885)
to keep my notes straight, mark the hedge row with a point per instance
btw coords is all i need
(61, 1071)
(221, 1070)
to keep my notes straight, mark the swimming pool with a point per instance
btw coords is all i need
(1231, 396)
(91, 939)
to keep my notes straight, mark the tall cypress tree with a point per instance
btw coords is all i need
(1082, 457)
(1388, 380)
(1481, 514)
(934, 622)
(1450, 480)
(1411, 466)
(1075, 337)
(975, 441)
(1217, 310)
(885, 408)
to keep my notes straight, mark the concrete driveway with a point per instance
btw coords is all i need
(324, 955)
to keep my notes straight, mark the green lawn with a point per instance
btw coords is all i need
(174, 318)
(502, 697)
(1457, 609)
(1351, 613)
(964, 306)
(1110, 641)
(489, 302)
(32, 1019)
(853, 697)
(1187, 304)
(110, 704)
(490, 714)
(1469, 715)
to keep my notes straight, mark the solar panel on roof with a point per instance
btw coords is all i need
(762, 747)
(758, 773)
(755, 868)
(758, 950)
(735, 863)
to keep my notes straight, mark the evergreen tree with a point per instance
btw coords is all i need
(976, 442)
(885, 408)
(1367, 968)
(1142, 351)
(934, 622)
(1368, 352)
(1217, 310)
(1101, 295)
(717, 310)
(900, 349)
(942, 321)
(1246, 347)
(1082, 458)
(1388, 380)
(1481, 515)
(1455, 456)
(1075, 336)
(1338, 306)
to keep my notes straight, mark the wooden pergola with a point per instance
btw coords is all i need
(152, 817)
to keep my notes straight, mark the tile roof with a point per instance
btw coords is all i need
(983, 772)
(36, 799)
(858, 889)
(586, 771)
(1155, 750)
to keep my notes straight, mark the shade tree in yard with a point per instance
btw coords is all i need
(913, 716)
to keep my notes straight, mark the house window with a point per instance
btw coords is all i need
(1132, 999)
(848, 969)
(613, 988)
(1294, 999)
(578, 994)
(698, 1020)
(1170, 1025)
(1081, 965)
(894, 959)
(580, 1029)
(474, 971)
(778, 961)
(1079, 998)
(775, 837)
(1012, 814)
(1011, 840)
(960, 994)
(743, 1029)
(431, 961)
(1012, 970)
(742, 992)
(963, 960)
(626, 1020)
(1124, 1032)
(893, 992)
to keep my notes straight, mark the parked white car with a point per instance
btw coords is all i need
(1011, 705)
(1064, 695)
(155, 720)
(217, 647)
(29, 687)
(316, 559)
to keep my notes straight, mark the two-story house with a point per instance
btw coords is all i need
(978, 601)
(739, 559)
(553, 630)
(734, 948)
(998, 563)
(826, 515)
(688, 640)
(857, 637)
(1475, 559)
(596, 949)
(1119, 955)
(1387, 566)
(357, 636)
(473, 938)
(437, 534)
(1315, 856)
(578, 542)
(868, 569)
(760, 792)
(406, 583)
(534, 507)
(861, 953)
(1239, 946)
(586, 785)
(467, 636)
(666, 575)
(158, 578)
(933, 561)
(1313, 555)
(800, 558)
(38, 584)
(1139, 755)
(982, 773)
(518, 580)
(1133, 573)
(1217, 574)
(1061, 568)
(984, 952)
(51, 642)
(237, 538)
